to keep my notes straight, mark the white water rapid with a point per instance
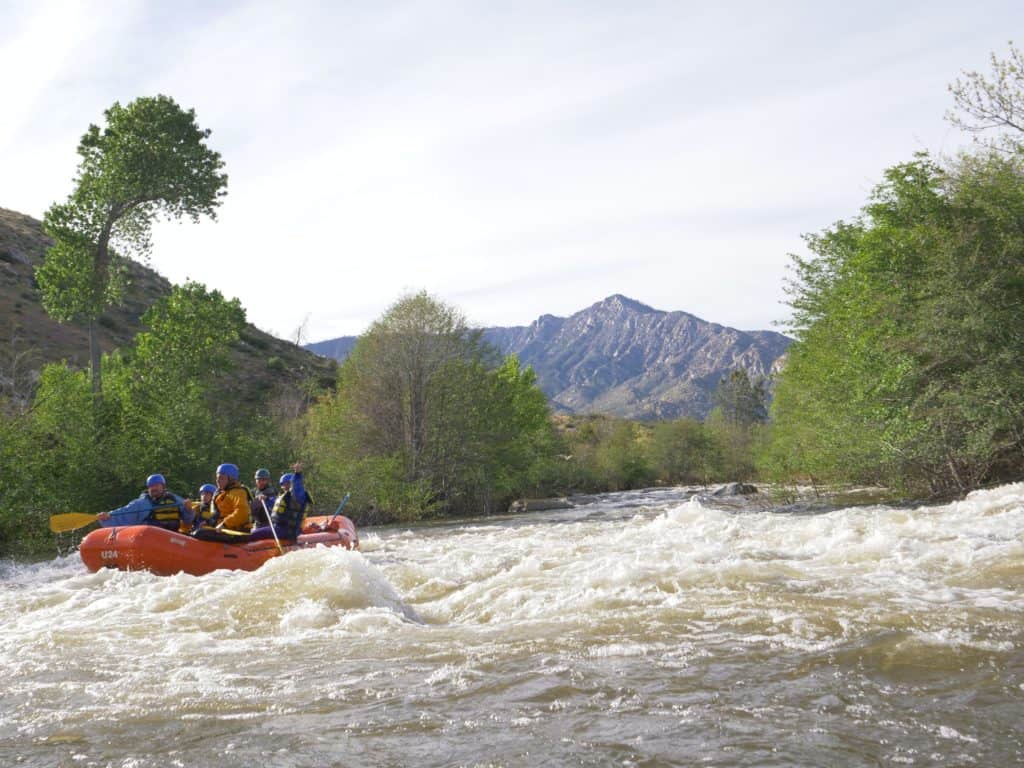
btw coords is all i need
(642, 629)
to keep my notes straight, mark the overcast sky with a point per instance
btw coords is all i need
(513, 158)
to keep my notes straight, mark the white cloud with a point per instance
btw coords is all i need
(55, 58)
(514, 159)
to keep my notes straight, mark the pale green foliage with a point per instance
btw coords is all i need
(620, 457)
(682, 451)
(413, 381)
(603, 453)
(191, 330)
(59, 465)
(910, 339)
(50, 461)
(425, 418)
(342, 464)
(159, 392)
(520, 437)
(70, 291)
(732, 446)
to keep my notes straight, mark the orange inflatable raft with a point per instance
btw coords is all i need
(163, 552)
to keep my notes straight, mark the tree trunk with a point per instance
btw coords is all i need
(94, 362)
(100, 280)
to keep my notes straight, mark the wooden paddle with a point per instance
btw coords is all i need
(70, 521)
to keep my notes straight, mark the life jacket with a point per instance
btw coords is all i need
(218, 514)
(204, 514)
(256, 509)
(165, 512)
(288, 513)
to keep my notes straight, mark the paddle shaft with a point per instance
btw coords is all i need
(338, 510)
(270, 522)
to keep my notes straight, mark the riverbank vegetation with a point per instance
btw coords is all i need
(908, 366)
(426, 420)
(429, 420)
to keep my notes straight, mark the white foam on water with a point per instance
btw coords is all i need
(808, 581)
(947, 732)
(114, 641)
(645, 582)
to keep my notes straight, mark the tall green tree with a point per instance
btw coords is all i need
(909, 336)
(149, 160)
(407, 376)
(170, 395)
(427, 418)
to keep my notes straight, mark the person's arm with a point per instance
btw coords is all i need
(193, 511)
(186, 513)
(135, 512)
(299, 490)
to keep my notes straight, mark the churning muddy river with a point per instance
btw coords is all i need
(646, 628)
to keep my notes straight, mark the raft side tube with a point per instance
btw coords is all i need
(163, 552)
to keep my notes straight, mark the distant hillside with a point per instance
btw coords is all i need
(624, 358)
(338, 348)
(29, 338)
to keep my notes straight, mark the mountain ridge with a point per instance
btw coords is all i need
(622, 357)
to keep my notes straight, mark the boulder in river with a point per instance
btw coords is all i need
(734, 489)
(539, 505)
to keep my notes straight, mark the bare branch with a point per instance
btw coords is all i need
(992, 104)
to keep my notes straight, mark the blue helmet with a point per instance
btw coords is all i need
(154, 479)
(207, 488)
(230, 470)
(286, 478)
(262, 473)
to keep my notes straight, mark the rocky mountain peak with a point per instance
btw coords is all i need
(617, 303)
(621, 356)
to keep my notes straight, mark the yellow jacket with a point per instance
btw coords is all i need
(232, 506)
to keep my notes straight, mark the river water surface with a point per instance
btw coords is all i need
(643, 629)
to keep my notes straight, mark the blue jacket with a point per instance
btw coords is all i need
(291, 508)
(299, 490)
(140, 512)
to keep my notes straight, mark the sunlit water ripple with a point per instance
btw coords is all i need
(642, 629)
